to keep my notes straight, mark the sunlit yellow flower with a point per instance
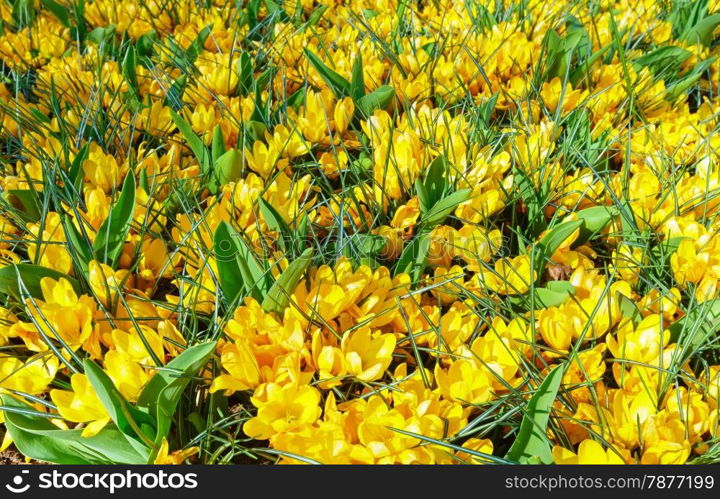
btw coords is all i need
(81, 405)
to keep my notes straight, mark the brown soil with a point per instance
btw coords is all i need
(11, 456)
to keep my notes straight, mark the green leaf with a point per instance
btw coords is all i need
(119, 410)
(75, 174)
(144, 45)
(196, 145)
(101, 34)
(31, 275)
(663, 58)
(339, 85)
(488, 107)
(364, 248)
(628, 309)
(226, 257)
(128, 69)
(198, 44)
(554, 294)
(301, 233)
(59, 11)
(440, 210)
(162, 393)
(702, 32)
(218, 144)
(296, 99)
(111, 235)
(683, 84)
(534, 201)
(228, 168)
(256, 280)
(357, 82)
(423, 196)
(594, 220)
(278, 297)
(549, 244)
(246, 74)
(26, 202)
(377, 99)
(435, 184)
(561, 287)
(316, 15)
(78, 244)
(39, 439)
(276, 223)
(414, 257)
(532, 441)
(700, 324)
(661, 252)
(175, 92)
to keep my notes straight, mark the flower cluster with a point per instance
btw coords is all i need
(360, 232)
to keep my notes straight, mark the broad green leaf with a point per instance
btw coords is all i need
(196, 145)
(488, 107)
(423, 196)
(628, 308)
(551, 241)
(682, 85)
(144, 45)
(554, 294)
(561, 286)
(119, 410)
(414, 257)
(73, 179)
(173, 97)
(296, 99)
(59, 11)
(228, 168)
(441, 209)
(198, 44)
(218, 144)
(100, 34)
(256, 280)
(435, 183)
(316, 15)
(702, 32)
(663, 58)
(364, 248)
(700, 324)
(246, 74)
(276, 223)
(278, 297)
(377, 99)
(128, 69)
(531, 440)
(78, 244)
(31, 275)
(338, 84)
(594, 220)
(111, 235)
(26, 202)
(39, 439)
(162, 393)
(226, 258)
(357, 82)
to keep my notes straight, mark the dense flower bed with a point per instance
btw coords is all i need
(360, 232)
